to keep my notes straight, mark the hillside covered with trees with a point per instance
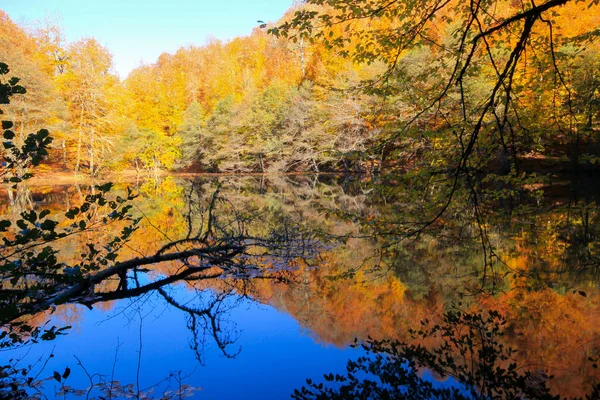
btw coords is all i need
(332, 86)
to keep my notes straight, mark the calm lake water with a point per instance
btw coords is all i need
(350, 278)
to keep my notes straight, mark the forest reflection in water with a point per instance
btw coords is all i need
(346, 276)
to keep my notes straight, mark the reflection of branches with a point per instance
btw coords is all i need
(210, 256)
(220, 245)
(217, 246)
(206, 320)
(465, 346)
(115, 390)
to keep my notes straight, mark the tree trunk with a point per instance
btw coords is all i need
(64, 149)
(79, 140)
(260, 160)
(92, 166)
(314, 164)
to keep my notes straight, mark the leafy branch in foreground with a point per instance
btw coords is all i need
(18, 154)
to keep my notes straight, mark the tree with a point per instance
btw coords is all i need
(303, 142)
(256, 122)
(85, 87)
(189, 134)
(218, 139)
(155, 150)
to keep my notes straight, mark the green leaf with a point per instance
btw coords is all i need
(42, 134)
(30, 216)
(104, 188)
(48, 225)
(13, 81)
(4, 225)
(73, 211)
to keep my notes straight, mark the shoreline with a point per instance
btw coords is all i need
(44, 175)
(68, 178)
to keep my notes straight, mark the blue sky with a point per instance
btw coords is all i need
(140, 30)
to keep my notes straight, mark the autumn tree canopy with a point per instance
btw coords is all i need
(334, 85)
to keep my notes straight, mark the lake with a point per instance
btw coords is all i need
(326, 260)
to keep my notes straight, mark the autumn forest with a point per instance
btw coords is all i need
(362, 199)
(268, 103)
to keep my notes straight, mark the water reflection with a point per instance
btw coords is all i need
(327, 253)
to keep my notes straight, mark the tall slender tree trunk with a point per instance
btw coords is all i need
(64, 149)
(260, 160)
(92, 169)
(93, 114)
(79, 139)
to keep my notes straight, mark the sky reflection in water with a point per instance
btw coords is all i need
(276, 353)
